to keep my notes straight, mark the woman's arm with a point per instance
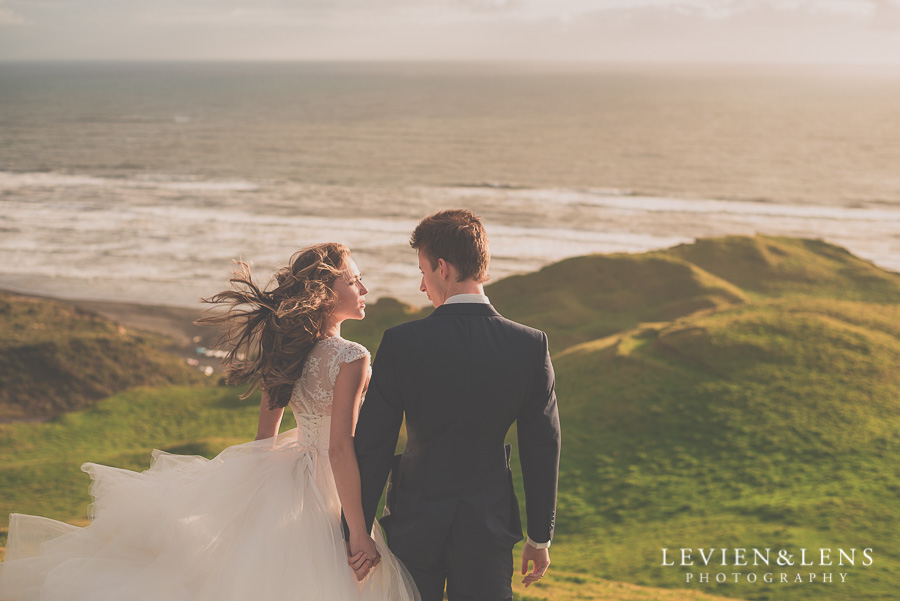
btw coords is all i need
(269, 419)
(348, 390)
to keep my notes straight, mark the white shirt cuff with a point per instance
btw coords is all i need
(537, 545)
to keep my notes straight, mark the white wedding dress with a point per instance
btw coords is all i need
(259, 522)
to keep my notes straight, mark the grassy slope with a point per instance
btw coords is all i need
(773, 425)
(767, 266)
(55, 358)
(584, 298)
(767, 418)
(570, 586)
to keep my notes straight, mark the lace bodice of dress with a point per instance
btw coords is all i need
(314, 391)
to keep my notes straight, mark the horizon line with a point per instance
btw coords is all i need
(460, 61)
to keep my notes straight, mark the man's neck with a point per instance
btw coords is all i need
(460, 288)
(467, 287)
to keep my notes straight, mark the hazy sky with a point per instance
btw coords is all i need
(827, 31)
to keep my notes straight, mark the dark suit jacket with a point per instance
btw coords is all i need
(461, 376)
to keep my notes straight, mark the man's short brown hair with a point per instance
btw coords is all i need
(458, 237)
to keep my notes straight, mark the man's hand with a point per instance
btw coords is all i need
(541, 559)
(362, 555)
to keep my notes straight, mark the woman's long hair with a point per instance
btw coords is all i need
(271, 332)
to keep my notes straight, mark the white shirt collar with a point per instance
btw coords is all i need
(468, 298)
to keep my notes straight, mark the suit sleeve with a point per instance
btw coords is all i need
(539, 444)
(378, 428)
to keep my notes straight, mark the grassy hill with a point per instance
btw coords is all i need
(776, 266)
(770, 425)
(707, 399)
(55, 357)
(584, 298)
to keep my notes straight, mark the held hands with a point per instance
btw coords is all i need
(541, 559)
(362, 555)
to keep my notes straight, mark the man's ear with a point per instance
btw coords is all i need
(445, 269)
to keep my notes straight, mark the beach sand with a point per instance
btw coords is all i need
(175, 322)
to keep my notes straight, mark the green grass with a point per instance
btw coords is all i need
(568, 586)
(769, 425)
(40, 471)
(589, 297)
(765, 266)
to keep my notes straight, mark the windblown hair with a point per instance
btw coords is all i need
(458, 237)
(271, 331)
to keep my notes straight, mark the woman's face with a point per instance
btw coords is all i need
(351, 293)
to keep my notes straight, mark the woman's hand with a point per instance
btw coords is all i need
(362, 555)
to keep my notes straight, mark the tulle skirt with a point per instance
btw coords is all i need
(261, 521)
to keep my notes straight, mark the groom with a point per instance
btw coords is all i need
(462, 376)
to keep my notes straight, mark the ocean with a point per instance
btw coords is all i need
(143, 181)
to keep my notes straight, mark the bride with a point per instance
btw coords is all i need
(262, 520)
